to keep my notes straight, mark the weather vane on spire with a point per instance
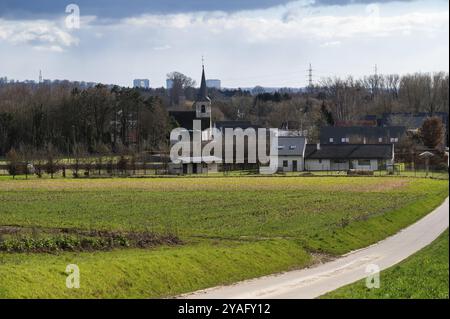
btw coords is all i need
(203, 61)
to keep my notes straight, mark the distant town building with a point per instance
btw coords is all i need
(3, 80)
(141, 83)
(169, 84)
(213, 83)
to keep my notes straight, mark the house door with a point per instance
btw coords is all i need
(294, 166)
(185, 169)
(194, 168)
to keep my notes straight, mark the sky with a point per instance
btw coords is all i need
(244, 42)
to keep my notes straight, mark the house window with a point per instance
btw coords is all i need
(345, 140)
(292, 147)
(203, 109)
(320, 161)
(363, 162)
(331, 140)
(380, 140)
(280, 147)
(394, 139)
(285, 164)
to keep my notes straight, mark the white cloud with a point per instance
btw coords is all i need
(162, 48)
(266, 27)
(51, 48)
(40, 34)
(407, 37)
(331, 44)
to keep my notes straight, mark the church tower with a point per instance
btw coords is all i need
(203, 102)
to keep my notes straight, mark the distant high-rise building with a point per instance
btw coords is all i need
(213, 83)
(141, 83)
(3, 80)
(169, 84)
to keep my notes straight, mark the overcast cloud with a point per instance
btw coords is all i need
(266, 43)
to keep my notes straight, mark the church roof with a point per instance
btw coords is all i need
(203, 93)
(185, 119)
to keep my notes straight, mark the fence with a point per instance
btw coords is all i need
(110, 169)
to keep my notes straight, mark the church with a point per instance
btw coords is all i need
(185, 119)
(202, 112)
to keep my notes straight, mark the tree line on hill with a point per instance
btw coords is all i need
(103, 120)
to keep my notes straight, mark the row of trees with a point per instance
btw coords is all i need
(376, 94)
(110, 119)
(97, 118)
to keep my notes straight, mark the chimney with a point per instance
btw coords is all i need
(318, 146)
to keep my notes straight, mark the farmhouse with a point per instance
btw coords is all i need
(291, 153)
(343, 157)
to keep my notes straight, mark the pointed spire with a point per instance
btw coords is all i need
(203, 93)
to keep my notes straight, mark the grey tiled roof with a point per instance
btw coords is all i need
(337, 133)
(349, 151)
(291, 145)
(185, 119)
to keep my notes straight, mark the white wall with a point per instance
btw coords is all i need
(317, 165)
(372, 167)
(290, 160)
(334, 166)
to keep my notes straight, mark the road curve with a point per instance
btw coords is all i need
(318, 280)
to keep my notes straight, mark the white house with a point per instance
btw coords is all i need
(291, 153)
(343, 157)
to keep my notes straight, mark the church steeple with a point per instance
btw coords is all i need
(203, 102)
(203, 107)
(203, 93)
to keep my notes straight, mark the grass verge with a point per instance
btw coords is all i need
(424, 275)
(135, 273)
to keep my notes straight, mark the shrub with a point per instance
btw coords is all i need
(360, 173)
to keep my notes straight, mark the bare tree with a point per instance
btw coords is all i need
(180, 83)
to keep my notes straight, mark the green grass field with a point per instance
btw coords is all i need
(232, 228)
(424, 275)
